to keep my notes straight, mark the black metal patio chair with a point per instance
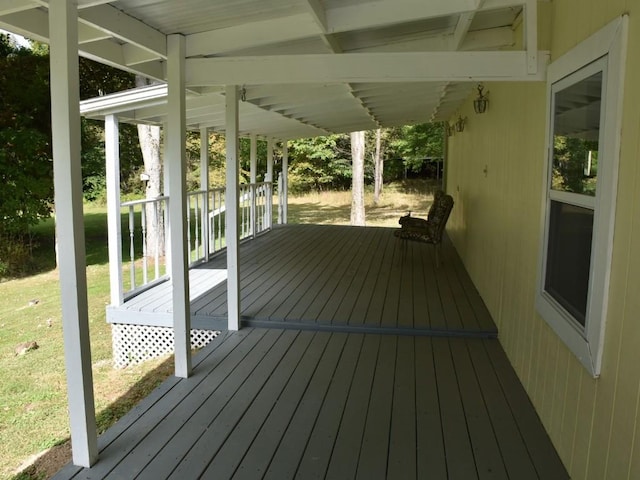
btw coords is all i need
(427, 230)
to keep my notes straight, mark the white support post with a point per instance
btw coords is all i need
(65, 114)
(280, 199)
(269, 178)
(253, 167)
(176, 166)
(253, 159)
(285, 180)
(232, 203)
(112, 153)
(204, 186)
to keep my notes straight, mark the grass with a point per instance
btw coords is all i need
(33, 408)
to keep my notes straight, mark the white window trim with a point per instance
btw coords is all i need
(587, 343)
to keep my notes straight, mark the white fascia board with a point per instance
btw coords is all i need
(251, 34)
(115, 22)
(136, 98)
(364, 67)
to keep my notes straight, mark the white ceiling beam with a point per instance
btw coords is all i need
(14, 6)
(462, 28)
(134, 55)
(111, 53)
(363, 67)
(251, 34)
(126, 28)
(318, 13)
(531, 35)
(377, 14)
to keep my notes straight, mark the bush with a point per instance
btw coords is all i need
(15, 255)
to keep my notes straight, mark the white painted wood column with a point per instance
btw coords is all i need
(232, 202)
(253, 167)
(67, 172)
(176, 167)
(269, 178)
(285, 180)
(112, 154)
(204, 186)
(253, 159)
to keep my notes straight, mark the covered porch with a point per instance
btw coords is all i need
(354, 361)
(337, 278)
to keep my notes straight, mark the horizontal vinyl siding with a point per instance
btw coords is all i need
(496, 227)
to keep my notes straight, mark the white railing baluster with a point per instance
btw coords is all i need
(156, 260)
(189, 227)
(143, 221)
(132, 249)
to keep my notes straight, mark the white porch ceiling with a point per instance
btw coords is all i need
(308, 67)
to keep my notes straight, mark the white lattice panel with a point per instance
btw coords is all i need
(134, 344)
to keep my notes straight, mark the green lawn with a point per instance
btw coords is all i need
(33, 410)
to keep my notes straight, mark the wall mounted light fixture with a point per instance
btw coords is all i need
(481, 102)
(448, 129)
(460, 123)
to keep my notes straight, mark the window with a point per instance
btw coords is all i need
(584, 89)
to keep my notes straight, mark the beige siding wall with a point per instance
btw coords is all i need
(495, 176)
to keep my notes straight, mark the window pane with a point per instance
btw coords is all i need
(569, 257)
(576, 130)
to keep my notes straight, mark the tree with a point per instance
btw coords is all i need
(149, 136)
(26, 167)
(357, 185)
(415, 143)
(378, 162)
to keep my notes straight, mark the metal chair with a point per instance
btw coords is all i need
(429, 230)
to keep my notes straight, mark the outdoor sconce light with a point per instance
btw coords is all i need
(459, 125)
(481, 102)
(448, 129)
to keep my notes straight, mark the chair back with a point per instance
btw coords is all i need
(438, 218)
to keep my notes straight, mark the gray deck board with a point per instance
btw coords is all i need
(283, 404)
(318, 276)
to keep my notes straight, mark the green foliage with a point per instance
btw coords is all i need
(26, 168)
(320, 163)
(570, 156)
(415, 143)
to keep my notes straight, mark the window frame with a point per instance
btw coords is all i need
(604, 51)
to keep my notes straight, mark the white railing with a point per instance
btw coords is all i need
(144, 264)
(146, 260)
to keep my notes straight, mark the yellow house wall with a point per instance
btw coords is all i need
(495, 176)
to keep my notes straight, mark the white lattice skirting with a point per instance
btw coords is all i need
(134, 344)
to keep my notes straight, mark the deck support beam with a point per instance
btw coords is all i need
(65, 113)
(232, 203)
(176, 172)
(112, 154)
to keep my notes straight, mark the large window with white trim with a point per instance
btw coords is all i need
(584, 92)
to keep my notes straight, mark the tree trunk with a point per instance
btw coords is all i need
(149, 137)
(378, 168)
(357, 184)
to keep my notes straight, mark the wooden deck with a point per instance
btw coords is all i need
(336, 278)
(283, 403)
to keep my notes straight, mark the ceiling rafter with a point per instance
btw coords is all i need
(252, 34)
(14, 6)
(126, 28)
